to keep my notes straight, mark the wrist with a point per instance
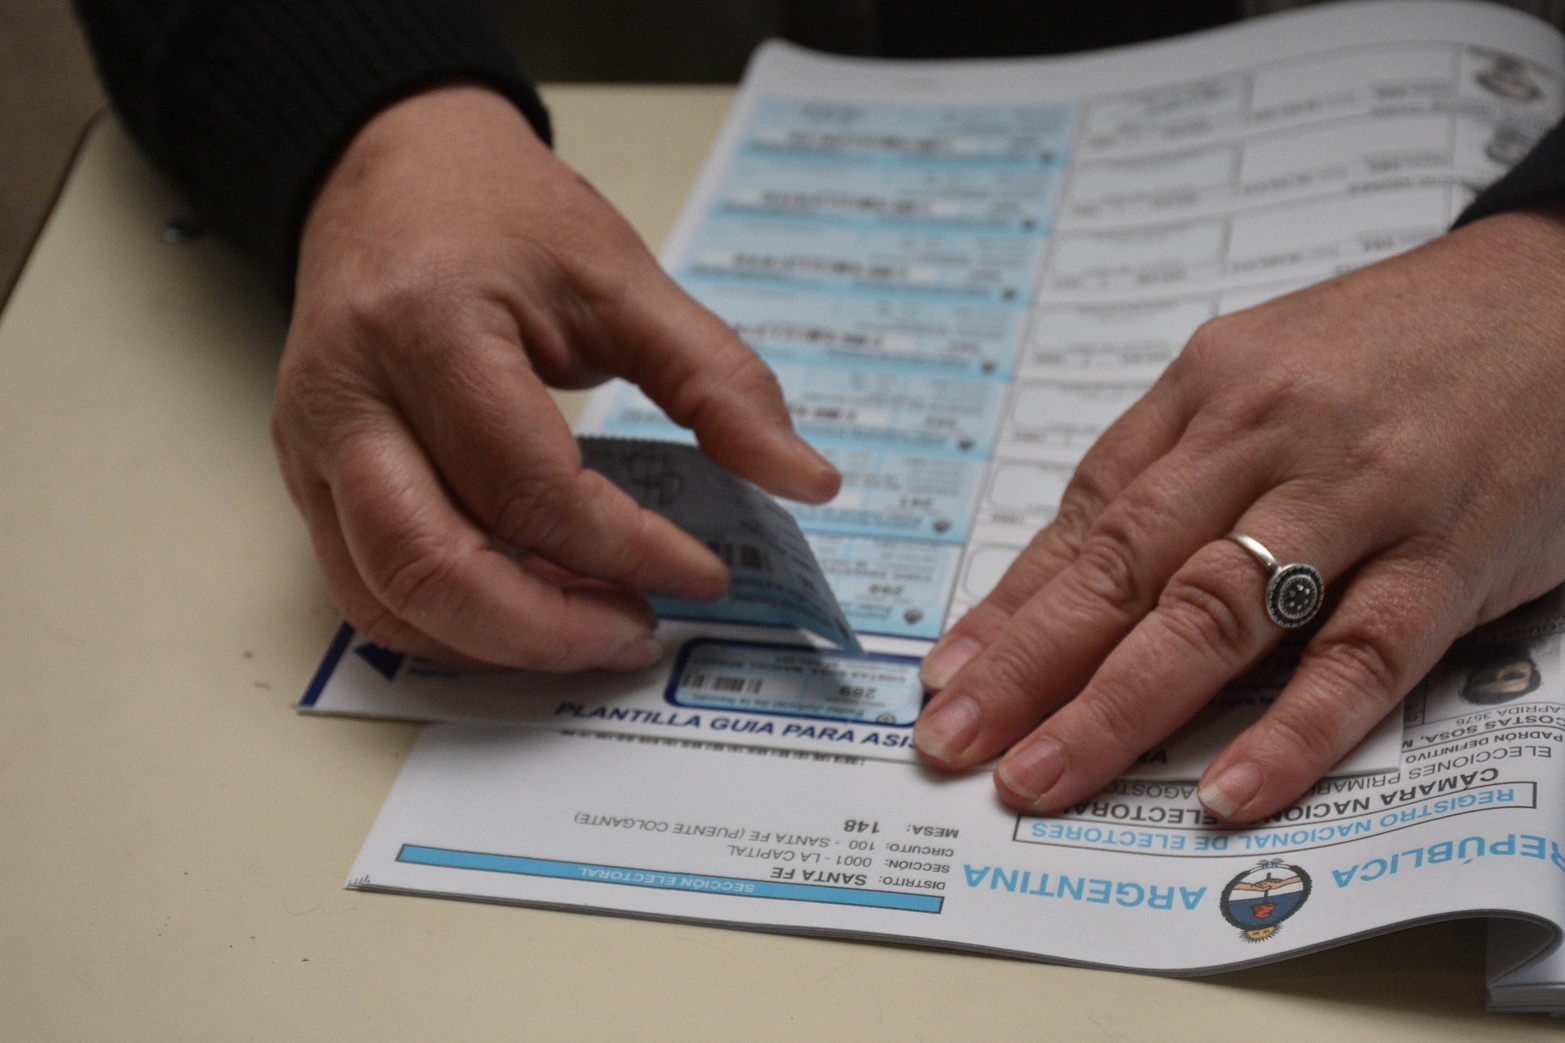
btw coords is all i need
(432, 127)
(411, 172)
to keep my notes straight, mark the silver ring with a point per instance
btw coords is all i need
(1293, 592)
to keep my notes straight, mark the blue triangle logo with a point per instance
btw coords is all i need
(385, 662)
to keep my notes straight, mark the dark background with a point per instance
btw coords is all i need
(47, 89)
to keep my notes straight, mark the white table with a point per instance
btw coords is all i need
(173, 839)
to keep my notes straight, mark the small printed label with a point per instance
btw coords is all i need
(797, 681)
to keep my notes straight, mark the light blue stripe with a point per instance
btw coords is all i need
(666, 881)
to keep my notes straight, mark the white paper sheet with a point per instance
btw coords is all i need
(963, 272)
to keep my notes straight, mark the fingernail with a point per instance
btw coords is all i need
(640, 653)
(944, 734)
(1231, 790)
(822, 481)
(945, 659)
(1030, 771)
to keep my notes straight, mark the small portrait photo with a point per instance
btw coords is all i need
(1507, 76)
(1501, 674)
(1475, 677)
(1508, 145)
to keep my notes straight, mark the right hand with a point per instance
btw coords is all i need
(449, 269)
(1398, 426)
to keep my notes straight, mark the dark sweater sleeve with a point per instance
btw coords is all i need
(246, 104)
(1538, 180)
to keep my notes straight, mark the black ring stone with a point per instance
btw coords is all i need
(1294, 595)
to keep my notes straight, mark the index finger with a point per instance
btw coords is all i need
(706, 378)
(1144, 433)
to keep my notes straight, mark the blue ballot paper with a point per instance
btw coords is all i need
(776, 580)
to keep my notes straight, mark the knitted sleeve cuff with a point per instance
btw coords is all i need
(273, 90)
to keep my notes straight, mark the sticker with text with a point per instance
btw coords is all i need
(797, 681)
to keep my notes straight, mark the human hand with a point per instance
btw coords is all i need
(1400, 427)
(450, 267)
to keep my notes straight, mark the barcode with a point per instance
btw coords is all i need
(725, 683)
(746, 556)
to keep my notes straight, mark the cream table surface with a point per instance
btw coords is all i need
(174, 839)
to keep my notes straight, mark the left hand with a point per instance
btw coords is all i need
(1400, 427)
